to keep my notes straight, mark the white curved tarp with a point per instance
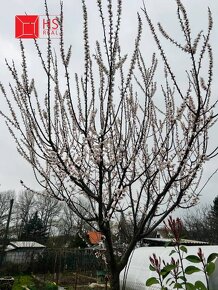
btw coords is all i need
(134, 276)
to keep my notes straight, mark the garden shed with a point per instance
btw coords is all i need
(137, 271)
(20, 252)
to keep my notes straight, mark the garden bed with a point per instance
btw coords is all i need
(31, 283)
(68, 280)
(72, 280)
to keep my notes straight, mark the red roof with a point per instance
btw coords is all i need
(95, 237)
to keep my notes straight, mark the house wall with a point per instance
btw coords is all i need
(22, 256)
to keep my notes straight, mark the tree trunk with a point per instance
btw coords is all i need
(114, 280)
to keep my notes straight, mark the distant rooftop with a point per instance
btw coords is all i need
(23, 244)
(170, 242)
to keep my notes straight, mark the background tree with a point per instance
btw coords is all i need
(5, 198)
(25, 208)
(49, 211)
(34, 230)
(67, 222)
(213, 222)
(197, 224)
(71, 228)
(202, 224)
(111, 142)
(124, 231)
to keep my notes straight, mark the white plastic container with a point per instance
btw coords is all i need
(137, 271)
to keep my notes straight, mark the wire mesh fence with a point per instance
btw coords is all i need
(52, 261)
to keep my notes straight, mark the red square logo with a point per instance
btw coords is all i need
(26, 26)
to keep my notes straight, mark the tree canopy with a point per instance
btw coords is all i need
(106, 138)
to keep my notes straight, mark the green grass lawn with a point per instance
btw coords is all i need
(24, 280)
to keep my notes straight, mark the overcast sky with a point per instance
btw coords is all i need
(12, 167)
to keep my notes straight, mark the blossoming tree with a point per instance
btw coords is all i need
(110, 142)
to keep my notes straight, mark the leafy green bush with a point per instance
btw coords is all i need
(21, 280)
